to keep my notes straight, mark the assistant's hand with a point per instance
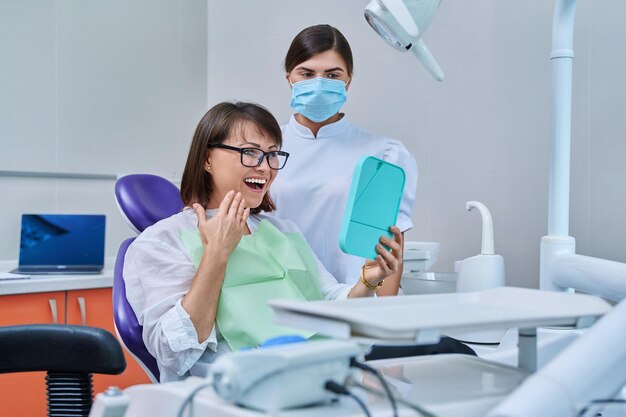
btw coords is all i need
(387, 262)
(221, 233)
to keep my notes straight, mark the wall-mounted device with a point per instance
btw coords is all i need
(401, 23)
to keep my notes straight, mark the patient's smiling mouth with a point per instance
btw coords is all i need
(255, 183)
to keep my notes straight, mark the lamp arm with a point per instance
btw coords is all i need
(421, 51)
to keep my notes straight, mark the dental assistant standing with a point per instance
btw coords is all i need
(325, 147)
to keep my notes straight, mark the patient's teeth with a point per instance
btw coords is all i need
(256, 180)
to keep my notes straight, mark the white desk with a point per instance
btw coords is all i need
(50, 283)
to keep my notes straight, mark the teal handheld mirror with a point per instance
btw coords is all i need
(372, 206)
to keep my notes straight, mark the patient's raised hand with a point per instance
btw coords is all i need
(221, 233)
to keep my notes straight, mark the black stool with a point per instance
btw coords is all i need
(69, 354)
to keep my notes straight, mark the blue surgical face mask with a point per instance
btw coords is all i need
(318, 99)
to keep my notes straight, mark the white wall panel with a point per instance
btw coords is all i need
(91, 86)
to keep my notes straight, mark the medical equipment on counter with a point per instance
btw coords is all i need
(481, 272)
(419, 256)
(283, 376)
(485, 270)
(429, 282)
(401, 23)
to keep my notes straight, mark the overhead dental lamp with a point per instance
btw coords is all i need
(401, 23)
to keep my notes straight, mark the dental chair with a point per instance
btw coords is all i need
(143, 200)
(69, 354)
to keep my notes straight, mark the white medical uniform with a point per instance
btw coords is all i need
(158, 273)
(313, 188)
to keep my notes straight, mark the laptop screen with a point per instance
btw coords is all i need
(65, 240)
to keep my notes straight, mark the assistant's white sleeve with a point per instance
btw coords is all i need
(157, 276)
(396, 153)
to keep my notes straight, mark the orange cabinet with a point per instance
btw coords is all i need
(36, 308)
(23, 394)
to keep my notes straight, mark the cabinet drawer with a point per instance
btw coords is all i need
(36, 308)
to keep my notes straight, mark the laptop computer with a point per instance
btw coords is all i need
(61, 244)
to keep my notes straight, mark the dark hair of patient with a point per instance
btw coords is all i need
(315, 40)
(216, 126)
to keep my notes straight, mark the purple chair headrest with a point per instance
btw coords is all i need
(144, 199)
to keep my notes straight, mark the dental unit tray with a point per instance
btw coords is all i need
(372, 206)
(421, 319)
(283, 376)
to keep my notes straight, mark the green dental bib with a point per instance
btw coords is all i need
(266, 264)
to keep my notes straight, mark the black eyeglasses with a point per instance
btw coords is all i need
(253, 157)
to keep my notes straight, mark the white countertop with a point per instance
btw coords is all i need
(48, 283)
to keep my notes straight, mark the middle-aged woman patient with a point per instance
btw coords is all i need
(199, 280)
(326, 146)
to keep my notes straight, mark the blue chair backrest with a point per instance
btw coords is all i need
(143, 200)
